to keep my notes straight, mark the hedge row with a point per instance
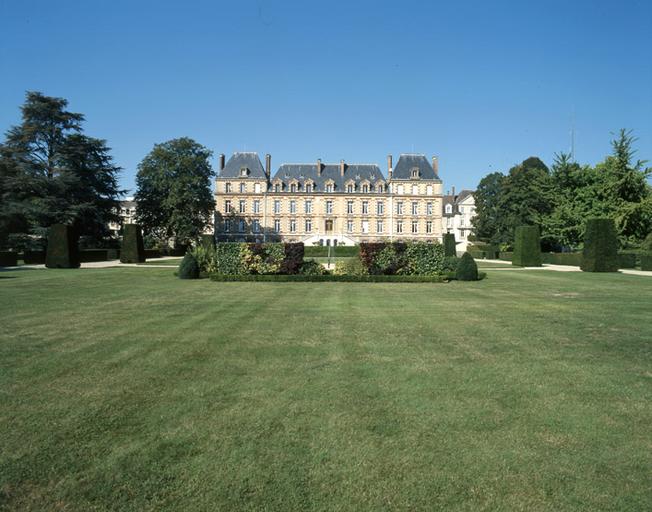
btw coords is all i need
(402, 258)
(562, 258)
(239, 258)
(378, 278)
(646, 260)
(341, 251)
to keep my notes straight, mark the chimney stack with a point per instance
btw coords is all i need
(221, 161)
(435, 164)
(453, 191)
(389, 166)
(268, 165)
(342, 168)
(319, 167)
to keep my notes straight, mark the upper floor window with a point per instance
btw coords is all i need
(429, 208)
(277, 206)
(227, 206)
(380, 208)
(399, 189)
(307, 207)
(349, 207)
(429, 190)
(309, 188)
(277, 225)
(415, 208)
(293, 206)
(243, 206)
(415, 190)
(256, 188)
(243, 188)
(399, 208)
(329, 207)
(365, 207)
(349, 188)
(329, 187)
(227, 188)
(257, 206)
(365, 189)
(449, 208)
(293, 187)
(429, 226)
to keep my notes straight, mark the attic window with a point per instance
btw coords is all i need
(449, 208)
(415, 172)
(244, 171)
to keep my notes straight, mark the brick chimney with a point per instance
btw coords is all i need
(342, 168)
(453, 191)
(435, 164)
(268, 165)
(319, 167)
(389, 166)
(221, 161)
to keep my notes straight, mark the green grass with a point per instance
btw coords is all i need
(129, 389)
(172, 262)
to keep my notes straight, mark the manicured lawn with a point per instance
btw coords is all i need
(171, 262)
(128, 389)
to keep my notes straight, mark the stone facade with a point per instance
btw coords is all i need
(328, 204)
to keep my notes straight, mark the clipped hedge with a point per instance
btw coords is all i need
(467, 268)
(152, 253)
(230, 258)
(562, 258)
(600, 246)
(133, 249)
(527, 247)
(505, 256)
(646, 260)
(369, 278)
(62, 251)
(294, 253)
(188, 268)
(89, 255)
(340, 251)
(8, 259)
(450, 245)
(34, 257)
(627, 260)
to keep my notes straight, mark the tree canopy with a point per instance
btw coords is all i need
(174, 198)
(50, 172)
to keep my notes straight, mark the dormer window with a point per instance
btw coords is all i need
(365, 189)
(379, 188)
(415, 172)
(349, 188)
(329, 187)
(449, 208)
(277, 187)
(293, 187)
(308, 188)
(244, 172)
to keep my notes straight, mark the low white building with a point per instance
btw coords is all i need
(127, 214)
(458, 210)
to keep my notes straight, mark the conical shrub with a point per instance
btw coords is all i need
(467, 269)
(188, 268)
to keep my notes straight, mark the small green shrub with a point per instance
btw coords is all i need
(600, 246)
(505, 255)
(293, 259)
(449, 245)
(312, 268)
(350, 267)
(646, 260)
(62, 250)
(188, 268)
(88, 255)
(205, 257)
(527, 247)
(133, 250)
(34, 257)
(450, 264)
(467, 269)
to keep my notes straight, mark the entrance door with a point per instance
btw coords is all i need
(329, 226)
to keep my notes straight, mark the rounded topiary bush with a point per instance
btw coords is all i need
(467, 269)
(188, 268)
(600, 246)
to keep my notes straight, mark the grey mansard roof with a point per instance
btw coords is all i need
(304, 172)
(407, 162)
(238, 161)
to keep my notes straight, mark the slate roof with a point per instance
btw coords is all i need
(304, 172)
(408, 161)
(249, 160)
(454, 200)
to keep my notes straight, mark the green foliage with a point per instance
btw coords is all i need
(350, 267)
(573, 259)
(174, 194)
(600, 246)
(340, 251)
(230, 258)
(312, 268)
(450, 245)
(646, 260)
(423, 259)
(265, 258)
(627, 260)
(527, 247)
(133, 250)
(204, 255)
(50, 172)
(293, 259)
(488, 218)
(450, 264)
(188, 268)
(62, 251)
(647, 243)
(347, 278)
(208, 240)
(467, 269)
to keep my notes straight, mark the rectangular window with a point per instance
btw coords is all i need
(365, 207)
(227, 206)
(243, 206)
(429, 226)
(399, 190)
(241, 226)
(429, 190)
(308, 225)
(293, 225)
(227, 188)
(257, 188)
(243, 188)
(399, 226)
(379, 226)
(277, 206)
(415, 190)
(257, 206)
(399, 208)
(349, 226)
(308, 207)
(349, 207)
(329, 187)
(329, 207)
(227, 226)
(277, 225)
(415, 226)
(429, 208)
(461, 233)
(380, 208)
(256, 226)
(415, 208)
(293, 206)
(365, 226)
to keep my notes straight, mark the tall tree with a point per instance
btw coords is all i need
(487, 200)
(174, 198)
(51, 173)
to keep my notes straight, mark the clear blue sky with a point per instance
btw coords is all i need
(481, 84)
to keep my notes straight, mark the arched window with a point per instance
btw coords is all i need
(449, 208)
(293, 187)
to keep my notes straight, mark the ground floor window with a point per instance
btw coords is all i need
(415, 226)
(227, 226)
(379, 226)
(308, 225)
(293, 225)
(429, 227)
(277, 225)
(256, 226)
(349, 226)
(399, 227)
(241, 226)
